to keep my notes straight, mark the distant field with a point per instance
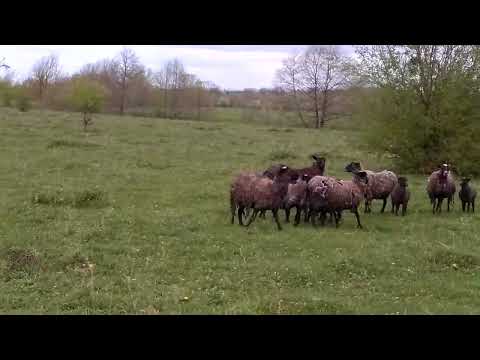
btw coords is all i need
(133, 218)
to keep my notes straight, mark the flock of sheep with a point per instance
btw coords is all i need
(315, 195)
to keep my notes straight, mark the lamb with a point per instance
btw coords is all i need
(296, 197)
(328, 194)
(467, 195)
(400, 196)
(269, 194)
(380, 185)
(441, 185)
(317, 168)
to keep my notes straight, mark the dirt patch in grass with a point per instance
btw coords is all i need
(20, 262)
(452, 260)
(71, 144)
(93, 198)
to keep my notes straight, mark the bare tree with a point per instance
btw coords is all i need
(128, 67)
(314, 76)
(2, 64)
(44, 72)
(288, 77)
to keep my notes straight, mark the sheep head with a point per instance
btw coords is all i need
(402, 181)
(319, 161)
(353, 167)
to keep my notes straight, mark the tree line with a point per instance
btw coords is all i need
(418, 104)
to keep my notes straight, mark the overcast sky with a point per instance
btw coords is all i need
(228, 66)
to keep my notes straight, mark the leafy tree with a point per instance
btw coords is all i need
(87, 97)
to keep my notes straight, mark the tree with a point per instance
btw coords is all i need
(425, 109)
(128, 68)
(44, 72)
(312, 78)
(87, 97)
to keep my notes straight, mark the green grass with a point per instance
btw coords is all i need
(132, 217)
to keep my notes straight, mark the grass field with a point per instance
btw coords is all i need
(133, 218)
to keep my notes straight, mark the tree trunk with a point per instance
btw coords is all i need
(324, 109)
(317, 116)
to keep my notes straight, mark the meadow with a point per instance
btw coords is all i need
(132, 217)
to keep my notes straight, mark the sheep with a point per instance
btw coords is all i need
(467, 195)
(441, 185)
(317, 168)
(400, 196)
(380, 185)
(328, 194)
(316, 190)
(269, 194)
(241, 192)
(296, 197)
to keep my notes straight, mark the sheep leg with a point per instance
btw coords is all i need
(337, 219)
(468, 207)
(240, 215)
(384, 204)
(262, 214)
(448, 204)
(434, 204)
(307, 215)
(254, 215)
(313, 216)
(473, 205)
(404, 209)
(355, 211)
(393, 207)
(366, 207)
(463, 206)
(439, 205)
(297, 216)
(287, 214)
(397, 207)
(233, 215)
(275, 216)
(323, 217)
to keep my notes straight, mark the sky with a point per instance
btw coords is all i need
(232, 67)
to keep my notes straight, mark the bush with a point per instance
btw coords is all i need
(418, 139)
(87, 97)
(6, 93)
(23, 101)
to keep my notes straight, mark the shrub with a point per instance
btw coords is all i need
(87, 97)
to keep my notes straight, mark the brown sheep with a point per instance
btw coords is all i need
(380, 185)
(441, 185)
(269, 194)
(296, 198)
(317, 168)
(400, 196)
(328, 194)
(241, 192)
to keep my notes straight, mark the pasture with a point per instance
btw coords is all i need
(133, 217)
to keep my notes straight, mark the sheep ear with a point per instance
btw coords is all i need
(314, 157)
(362, 174)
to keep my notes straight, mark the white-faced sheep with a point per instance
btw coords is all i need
(326, 194)
(441, 185)
(380, 185)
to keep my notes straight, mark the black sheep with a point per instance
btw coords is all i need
(467, 195)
